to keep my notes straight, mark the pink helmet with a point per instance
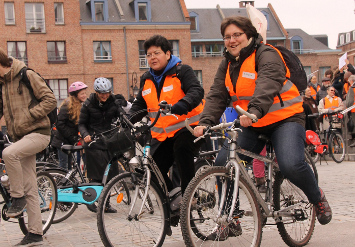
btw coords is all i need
(77, 86)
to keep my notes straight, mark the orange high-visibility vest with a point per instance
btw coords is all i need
(331, 105)
(314, 92)
(171, 92)
(245, 87)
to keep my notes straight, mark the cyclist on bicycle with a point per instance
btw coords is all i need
(179, 87)
(96, 116)
(29, 127)
(254, 76)
(329, 104)
(67, 121)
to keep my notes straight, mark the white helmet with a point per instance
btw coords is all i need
(102, 85)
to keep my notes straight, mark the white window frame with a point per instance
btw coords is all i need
(145, 5)
(59, 9)
(21, 54)
(60, 89)
(102, 58)
(35, 21)
(9, 6)
(59, 52)
(347, 39)
(341, 40)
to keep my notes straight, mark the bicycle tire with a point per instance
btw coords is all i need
(64, 209)
(315, 156)
(202, 191)
(148, 229)
(337, 147)
(47, 191)
(295, 231)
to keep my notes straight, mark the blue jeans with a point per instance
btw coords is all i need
(64, 160)
(288, 141)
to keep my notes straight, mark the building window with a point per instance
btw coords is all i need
(296, 46)
(99, 11)
(308, 71)
(56, 51)
(18, 50)
(143, 64)
(194, 19)
(35, 22)
(353, 35)
(214, 50)
(196, 50)
(341, 39)
(175, 46)
(347, 37)
(102, 51)
(59, 13)
(9, 14)
(198, 74)
(60, 89)
(142, 11)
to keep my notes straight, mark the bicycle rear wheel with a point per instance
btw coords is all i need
(47, 191)
(119, 229)
(298, 229)
(199, 212)
(310, 149)
(337, 147)
(64, 209)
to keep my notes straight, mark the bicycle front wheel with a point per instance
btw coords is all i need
(64, 209)
(337, 147)
(297, 229)
(47, 192)
(124, 229)
(201, 224)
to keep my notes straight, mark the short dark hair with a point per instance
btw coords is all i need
(241, 22)
(5, 61)
(158, 41)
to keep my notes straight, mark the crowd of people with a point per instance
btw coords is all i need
(251, 74)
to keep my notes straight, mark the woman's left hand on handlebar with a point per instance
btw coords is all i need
(245, 121)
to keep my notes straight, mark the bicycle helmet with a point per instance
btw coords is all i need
(102, 85)
(75, 87)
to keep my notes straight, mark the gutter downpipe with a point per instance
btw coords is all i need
(126, 55)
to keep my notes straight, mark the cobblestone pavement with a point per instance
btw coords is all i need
(337, 181)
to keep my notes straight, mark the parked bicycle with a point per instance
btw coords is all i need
(146, 212)
(331, 142)
(211, 201)
(47, 192)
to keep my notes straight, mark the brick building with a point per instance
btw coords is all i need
(346, 42)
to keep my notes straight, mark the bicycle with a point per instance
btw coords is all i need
(146, 212)
(332, 142)
(47, 192)
(210, 201)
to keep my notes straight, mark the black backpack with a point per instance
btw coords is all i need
(24, 79)
(298, 74)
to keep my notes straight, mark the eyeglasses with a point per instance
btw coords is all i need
(154, 54)
(331, 90)
(234, 35)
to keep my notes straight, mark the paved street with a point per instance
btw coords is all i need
(337, 181)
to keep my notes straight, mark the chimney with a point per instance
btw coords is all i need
(243, 4)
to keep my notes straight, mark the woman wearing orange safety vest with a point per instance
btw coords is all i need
(328, 104)
(254, 76)
(314, 86)
(177, 84)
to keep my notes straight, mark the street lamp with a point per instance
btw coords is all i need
(134, 87)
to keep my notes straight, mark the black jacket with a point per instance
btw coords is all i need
(67, 130)
(96, 117)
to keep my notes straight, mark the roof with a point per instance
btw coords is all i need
(162, 11)
(309, 41)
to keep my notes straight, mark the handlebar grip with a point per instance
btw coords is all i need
(240, 110)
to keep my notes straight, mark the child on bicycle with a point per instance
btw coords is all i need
(252, 75)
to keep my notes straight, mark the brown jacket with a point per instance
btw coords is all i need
(23, 116)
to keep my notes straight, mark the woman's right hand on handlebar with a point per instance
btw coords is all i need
(87, 139)
(198, 130)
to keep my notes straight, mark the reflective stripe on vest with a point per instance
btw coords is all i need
(245, 88)
(171, 92)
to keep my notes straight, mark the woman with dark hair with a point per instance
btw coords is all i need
(67, 121)
(254, 76)
(313, 86)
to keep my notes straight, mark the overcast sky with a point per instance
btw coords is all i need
(312, 16)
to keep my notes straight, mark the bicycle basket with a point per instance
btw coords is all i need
(119, 143)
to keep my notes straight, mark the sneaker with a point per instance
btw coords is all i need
(222, 233)
(17, 207)
(110, 210)
(92, 207)
(30, 238)
(323, 210)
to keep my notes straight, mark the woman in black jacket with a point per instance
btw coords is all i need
(67, 121)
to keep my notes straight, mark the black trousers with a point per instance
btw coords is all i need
(180, 149)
